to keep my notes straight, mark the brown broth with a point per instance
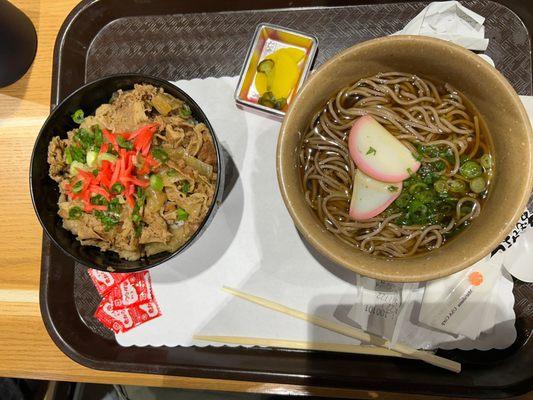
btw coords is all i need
(328, 187)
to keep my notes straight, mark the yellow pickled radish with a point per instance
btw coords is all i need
(292, 52)
(260, 83)
(283, 77)
(286, 75)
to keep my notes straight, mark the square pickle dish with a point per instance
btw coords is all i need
(268, 40)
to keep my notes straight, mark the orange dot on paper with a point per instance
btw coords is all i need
(475, 278)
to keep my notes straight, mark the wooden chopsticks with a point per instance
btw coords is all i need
(299, 345)
(350, 331)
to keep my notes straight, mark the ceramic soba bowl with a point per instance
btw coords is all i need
(500, 108)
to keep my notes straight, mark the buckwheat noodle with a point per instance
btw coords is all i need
(417, 112)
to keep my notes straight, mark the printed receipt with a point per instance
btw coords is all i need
(378, 307)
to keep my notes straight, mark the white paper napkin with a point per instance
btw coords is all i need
(449, 20)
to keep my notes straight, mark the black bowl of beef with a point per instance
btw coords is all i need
(45, 192)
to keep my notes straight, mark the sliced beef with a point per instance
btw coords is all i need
(56, 159)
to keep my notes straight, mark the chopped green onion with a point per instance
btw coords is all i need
(108, 220)
(417, 187)
(77, 117)
(98, 135)
(417, 212)
(185, 111)
(140, 195)
(403, 200)
(135, 214)
(68, 156)
(74, 213)
(77, 153)
(77, 187)
(392, 188)
(372, 151)
(98, 200)
(478, 185)
(160, 154)
(114, 206)
(156, 182)
(91, 157)
(439, 165)
(75, 166)
(138, 230)
(182, 214)
(84, 138)
(445, 208)
(448, 155)
(456, 186)
(471, 169)
(106, 157)
(172, 172)
(125, 144)
(466, 209)
(440, 186)
(486, 161)
(429, 151)
(117, 188)
(430, 178)
(425, 197)
(464, 158)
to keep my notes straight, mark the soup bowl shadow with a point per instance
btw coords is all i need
(489, 92)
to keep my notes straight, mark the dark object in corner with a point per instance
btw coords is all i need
(18, 43)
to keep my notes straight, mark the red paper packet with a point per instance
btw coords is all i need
(104, 281)
(125, 319)
(128, 299)
(134, 289)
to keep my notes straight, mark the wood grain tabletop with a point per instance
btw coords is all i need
(26, 350)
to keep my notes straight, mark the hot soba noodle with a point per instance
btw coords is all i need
(438, 127)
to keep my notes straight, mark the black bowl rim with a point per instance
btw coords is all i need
(220, 171)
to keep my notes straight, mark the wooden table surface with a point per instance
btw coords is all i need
(26, 350)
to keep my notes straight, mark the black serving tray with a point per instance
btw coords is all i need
(184, 40)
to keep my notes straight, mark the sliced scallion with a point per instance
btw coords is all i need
(77, 187)
(91, 158)
(117, 188)
(78, 116)
(471, 169)
(478, 185)
(486, 161)
(156, 182)
(74, 212)
(182, 214)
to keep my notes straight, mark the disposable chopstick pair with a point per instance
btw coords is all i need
(350, 331)
(299, 345)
